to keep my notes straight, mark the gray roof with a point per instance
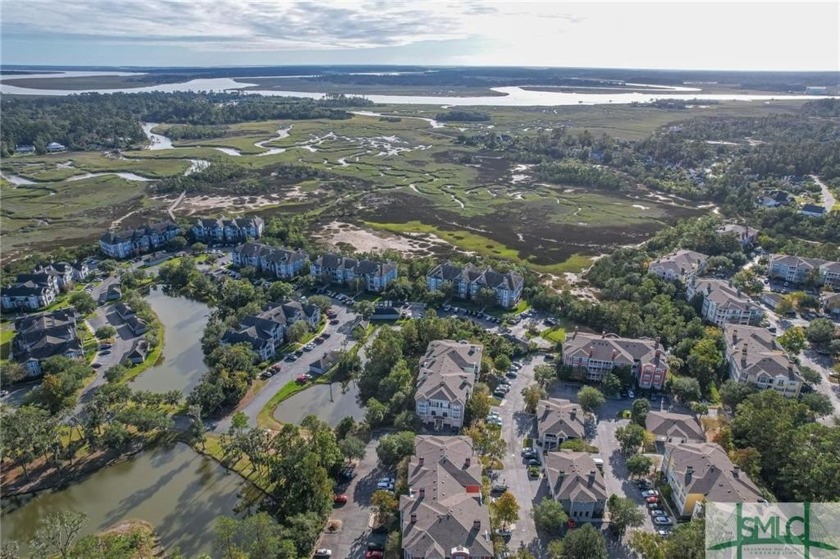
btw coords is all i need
(756, 352)
(724, 295)
(674, 425)
(560, 417)
(25, 289)
(444, 509)
(448, 371)
(609, 347)
(330, 261)
(680, 262)
(470, 273)
(712, 473)
(574, 476)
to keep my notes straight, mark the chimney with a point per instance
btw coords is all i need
(689, 473)
(603, 334)
(422, 493)
(590, 351)
(744, 356)
(736, 471)
(734, 336)
(467, 462)
(574, 334)
(476, 524)
(591, 477)
(413, 518)
(790, 367)
(573, 414)
(420, 461)
(656, 343)
(614, 353)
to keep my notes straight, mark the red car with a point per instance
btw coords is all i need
(652, 499)
(334, 321)
(303, 378)
(373, 555)
(339, 499)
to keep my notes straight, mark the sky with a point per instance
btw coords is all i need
(675, 34)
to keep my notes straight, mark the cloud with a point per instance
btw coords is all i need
(247, 24)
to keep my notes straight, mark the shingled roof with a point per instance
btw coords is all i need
(674, 425)
(706, 469)
(574, 476)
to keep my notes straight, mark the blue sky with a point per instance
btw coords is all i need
(675, 34)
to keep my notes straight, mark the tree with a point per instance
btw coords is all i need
(585, 542)
(502, 362)
(545, 374)
(479, 405)
(197, 428)
(611, 385)
(792, 340)
(487, 441)
(785, 306)
(352, 447)
(733, 393)
(687, 541)
(320, 301)
(819, 403)
(686, 389)
(198, 247)
(639, 465)
(704, 360)
(177, 243)
(648, 545)
(12, 372)
(820, 331)
(624, 513)
(386, 503)
(57, 533)
(532, 395)
(639, 411)
(82, 301)
(365, 308)
(115, 373)
(810, 375)
(297, 331)
(280, 290)
(630, 437)
(590, 398)
(104, 332)
(505, 510)
(393, 448)
(549, 517)
(554, 549)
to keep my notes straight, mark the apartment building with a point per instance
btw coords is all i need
(596, 355)
(681, 265)
(723, 303)
(755, 358)
(444, 515)
(128, 243)
(445, 382)
(227, 230)
(467, 281)
(365, 274)
(281, 263)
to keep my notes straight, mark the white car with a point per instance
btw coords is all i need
(323, 552)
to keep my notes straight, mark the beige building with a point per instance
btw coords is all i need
(445, 382)
(697, 471)
(444, 516)
(755, 358)
(575, 482)
(673, 428)
(558, 421)
(723, 303)
(680, 265)
(597, 355)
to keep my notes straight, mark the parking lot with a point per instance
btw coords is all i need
(352, 538)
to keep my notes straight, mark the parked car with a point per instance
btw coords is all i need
(291, 357)
(643, 484)
(373, 546)
(334, 321)
(326, 335)
(650, 493)
(662, 521)
(533, 462)
(631, 394)
(499, 488)
(323, 552)
(105, 346)
(653, 506)
(105, 352)
(657, 512)
(529, 453)
(303, 379)
(339, 499)
(652, 499)
(373, 555)
(663, 533)
(504, 533)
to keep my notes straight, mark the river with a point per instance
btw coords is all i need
(183, 361)
(511, 96)
(315, 400)
(180, 492)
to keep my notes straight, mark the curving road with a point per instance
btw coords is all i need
(828, 197)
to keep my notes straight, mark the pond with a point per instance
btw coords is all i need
(182, 364)
(180, 492)
(315, 400)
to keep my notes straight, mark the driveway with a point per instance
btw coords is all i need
(516, 425)
(828, 197)
(351, 540)
(340, 338)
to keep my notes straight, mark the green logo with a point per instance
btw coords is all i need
(783, 530)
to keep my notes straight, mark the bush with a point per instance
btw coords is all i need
(105, 332)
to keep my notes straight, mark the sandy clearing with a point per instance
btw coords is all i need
(363, 240)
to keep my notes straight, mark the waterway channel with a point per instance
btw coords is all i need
(182, 362)
(180, 492)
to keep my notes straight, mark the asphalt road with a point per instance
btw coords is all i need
(352, 538)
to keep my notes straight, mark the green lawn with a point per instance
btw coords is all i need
(554, 335)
